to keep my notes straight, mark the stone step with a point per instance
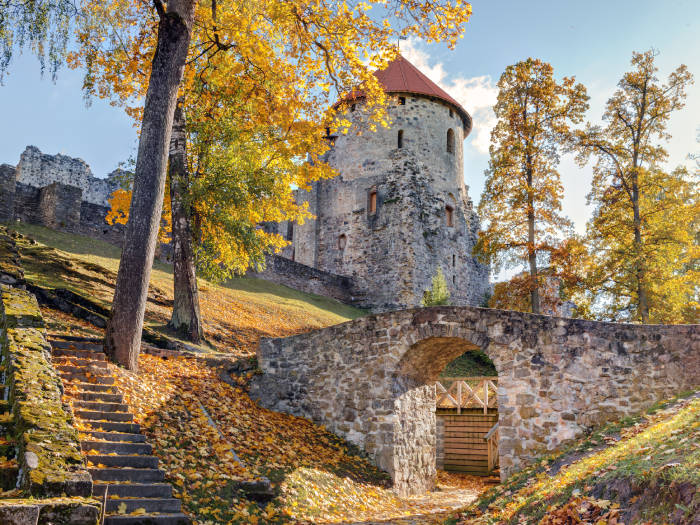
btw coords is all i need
(107, 447)
(130, 461)
(76, 345)
(81, 362)
(133, 490)
(117, 436)
(82, 377)
(93, 387)
(97, 396)
(100, 406)
(150, 505)
(149, 519)
(137, 475)
(97, 415)
(8, 475)
(80, 354)
(111, 426)
(98, 368)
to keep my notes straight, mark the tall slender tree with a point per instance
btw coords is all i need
(521, 204)
(639, 230)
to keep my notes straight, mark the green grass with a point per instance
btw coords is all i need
(470, 364)
(235, 313)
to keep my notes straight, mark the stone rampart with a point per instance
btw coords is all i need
(284, 271)
(370, 380)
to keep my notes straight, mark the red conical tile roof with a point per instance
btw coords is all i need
(400, 76)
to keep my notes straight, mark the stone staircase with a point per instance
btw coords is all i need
(9, 469)
(122, 463)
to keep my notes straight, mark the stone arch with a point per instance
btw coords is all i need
(366, 379)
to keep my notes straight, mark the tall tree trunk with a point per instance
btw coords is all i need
(186, 319)
(531, 252)
(123, 334)
(642, 301)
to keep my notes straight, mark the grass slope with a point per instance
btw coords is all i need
(235, 313)
(640, 470)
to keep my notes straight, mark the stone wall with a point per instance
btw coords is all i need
(49, 455)
(59, 206)
(393, 251)
(284, 271)
(365, 379)
(38, 169)
(7, 192)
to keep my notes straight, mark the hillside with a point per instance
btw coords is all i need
(641, 470)
(235, 313)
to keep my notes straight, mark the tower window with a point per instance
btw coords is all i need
(400, 139)
(402, 101)
(449, 216)
(451, 113)
(454, 260)
(290, 230)
(450, 141)
(454, 279)
(372, 204)
(352, 108)
(342, 242)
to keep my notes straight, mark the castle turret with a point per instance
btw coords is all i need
(399, 209)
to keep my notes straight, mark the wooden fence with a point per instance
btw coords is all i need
(466, 392)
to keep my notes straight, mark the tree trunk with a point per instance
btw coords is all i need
(642, 301)
(123, 333)
(186, 319)
(531, 252)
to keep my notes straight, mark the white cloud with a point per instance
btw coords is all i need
(476, 94)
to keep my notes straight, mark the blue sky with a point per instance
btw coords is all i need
(591, 40)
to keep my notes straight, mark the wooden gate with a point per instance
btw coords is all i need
(467, 424)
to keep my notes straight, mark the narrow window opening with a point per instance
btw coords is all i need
(449, 216)
(454, 260)
(352, 108)
(400, 139)
(454, 279)
(402, 101)
(450, 141)
(290, 230)
(451, 113)
(372, 202)
(342, 242)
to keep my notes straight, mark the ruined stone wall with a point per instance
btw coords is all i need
(38, 169)
(557, 378)
(284, 271)
(7, 192)
(393, 252)
(59, 206)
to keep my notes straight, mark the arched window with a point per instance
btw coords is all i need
(450, 141)
(449, 216)
(342, 242)
(400, 139)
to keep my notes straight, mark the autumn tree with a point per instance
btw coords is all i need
(642, 231)
(521, 204)
(324, 49)
(439, 294)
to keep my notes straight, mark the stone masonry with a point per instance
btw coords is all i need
(398, 209)
(369, 380)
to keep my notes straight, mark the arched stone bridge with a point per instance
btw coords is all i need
(367, 380)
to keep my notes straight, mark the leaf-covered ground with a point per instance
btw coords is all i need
(643, 470)
(235, 314)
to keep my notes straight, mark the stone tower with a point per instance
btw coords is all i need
(399, 209)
